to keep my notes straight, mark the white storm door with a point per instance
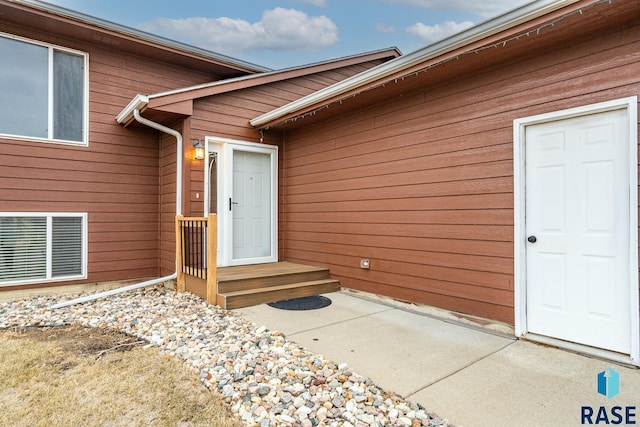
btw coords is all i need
(252, 204)
(578, 229)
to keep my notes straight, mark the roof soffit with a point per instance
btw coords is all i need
(424, 59)
(184, 108)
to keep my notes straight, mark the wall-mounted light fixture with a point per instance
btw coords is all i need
(199, 150)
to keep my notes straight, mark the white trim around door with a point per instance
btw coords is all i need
(629, 109)
(258, 223)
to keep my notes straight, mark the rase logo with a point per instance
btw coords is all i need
(608, 384)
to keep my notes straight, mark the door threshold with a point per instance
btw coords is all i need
(585, 350)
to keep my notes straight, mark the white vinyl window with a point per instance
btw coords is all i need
(43, 91)
(37, 247)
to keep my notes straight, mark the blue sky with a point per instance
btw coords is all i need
(286, 33)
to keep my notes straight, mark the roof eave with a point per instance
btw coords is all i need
(139, 102)
(481, 31)
(152, 101)
(143, 35)
(276, 75)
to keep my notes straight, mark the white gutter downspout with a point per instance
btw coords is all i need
(178, 136)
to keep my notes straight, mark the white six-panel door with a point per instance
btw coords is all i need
(576, 229)
(577, 226)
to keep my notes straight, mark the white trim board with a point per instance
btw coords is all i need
(629, 104)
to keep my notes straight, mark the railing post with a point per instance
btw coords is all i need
(212, 259)
(180, 283)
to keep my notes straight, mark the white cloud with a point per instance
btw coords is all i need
(279, 29)
(431, 33)
(484, 8)
(382, 28)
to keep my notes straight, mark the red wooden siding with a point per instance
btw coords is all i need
(167, 206)
(227, 116)
(422, 184)
(114, 179)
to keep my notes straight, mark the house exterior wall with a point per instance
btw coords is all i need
(114, 179)
(227, 116)
(422, 184)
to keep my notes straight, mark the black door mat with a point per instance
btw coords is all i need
(313, 302)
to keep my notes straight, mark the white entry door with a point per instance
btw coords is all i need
(578, 230)
(245, 181)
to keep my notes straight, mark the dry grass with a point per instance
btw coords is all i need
(91, 377)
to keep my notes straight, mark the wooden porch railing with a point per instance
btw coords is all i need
(196, 252)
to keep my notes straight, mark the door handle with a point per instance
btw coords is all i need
(532, 239)
(231, 203)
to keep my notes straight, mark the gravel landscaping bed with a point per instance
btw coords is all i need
(266, 379)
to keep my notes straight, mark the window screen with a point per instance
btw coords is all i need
(66, 246)
(23, 248)
(68, 94)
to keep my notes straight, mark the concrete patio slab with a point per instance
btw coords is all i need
(470, 376)
(342, 308)
(399, 350)
(527, 384)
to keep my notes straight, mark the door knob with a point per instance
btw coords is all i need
(532, 239)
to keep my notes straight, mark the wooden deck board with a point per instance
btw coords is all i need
(242, 286)
(242, 272)
(276, 293)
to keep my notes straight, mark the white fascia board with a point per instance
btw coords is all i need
(137, 103)
(486, 29)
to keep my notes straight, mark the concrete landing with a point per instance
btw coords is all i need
(467, 375)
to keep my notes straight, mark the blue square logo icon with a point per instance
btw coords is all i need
(609, 385)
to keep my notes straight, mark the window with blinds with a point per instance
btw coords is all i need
(40, 247)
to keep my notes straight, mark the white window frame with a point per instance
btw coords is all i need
(49, 217)
(85, 97)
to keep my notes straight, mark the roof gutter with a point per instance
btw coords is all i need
(486, 29)
(138, 101)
